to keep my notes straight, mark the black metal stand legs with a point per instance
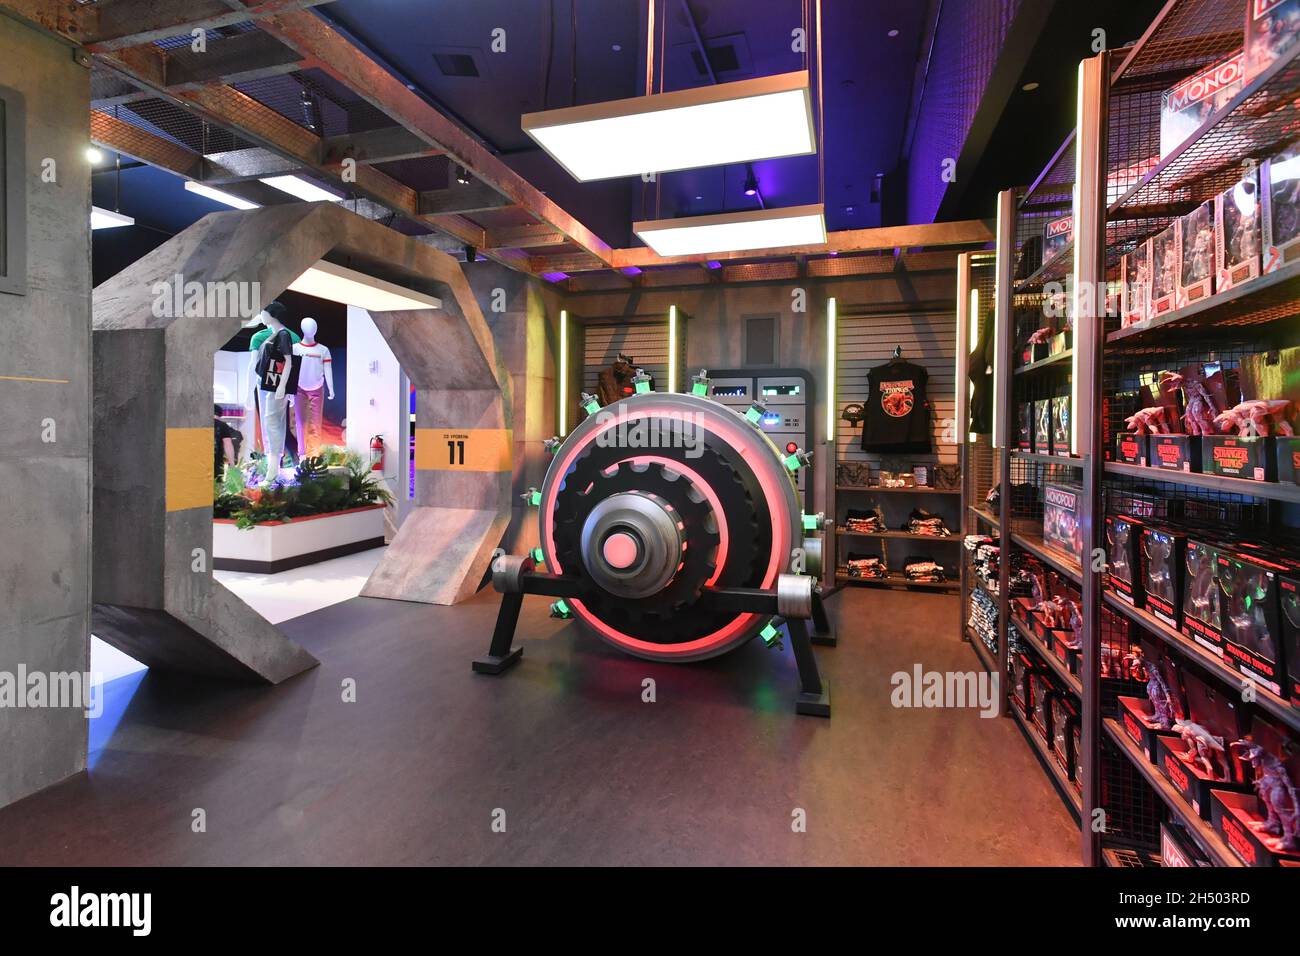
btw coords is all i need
(795, 602)
(823, 632)
(500, 656)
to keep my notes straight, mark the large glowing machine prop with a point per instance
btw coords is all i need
(671, 528)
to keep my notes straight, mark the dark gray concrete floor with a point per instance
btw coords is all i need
(586, 773)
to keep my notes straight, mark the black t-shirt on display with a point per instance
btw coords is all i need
(270, 364)
(898, 410)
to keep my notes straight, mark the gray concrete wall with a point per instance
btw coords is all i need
(45, 393)
(526, 331)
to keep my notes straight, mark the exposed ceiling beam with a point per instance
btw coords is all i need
(66, 20)
(376, 146)
(229, 108)
(125, 23)
(566, 262)
(458, 198)
(964, 233)
(236, 59)
(111, 133)
(121, 137)
(523, 237)
(314, 38)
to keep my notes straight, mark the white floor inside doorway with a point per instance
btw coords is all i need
(277, 597)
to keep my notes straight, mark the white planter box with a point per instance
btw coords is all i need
(269, 548)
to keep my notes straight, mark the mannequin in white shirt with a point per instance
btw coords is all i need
(315, 384)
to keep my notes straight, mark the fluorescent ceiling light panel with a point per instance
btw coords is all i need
(301, 189)
(104, 219)
(216, 195)
(738, 122)
(325, 280)
(735, 231)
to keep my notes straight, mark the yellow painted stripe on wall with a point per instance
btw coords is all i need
(463, 449)
(189, 468)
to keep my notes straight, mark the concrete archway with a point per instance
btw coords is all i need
(154, 595)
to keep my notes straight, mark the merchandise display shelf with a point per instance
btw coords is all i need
(898, 534)
(1053, 662)
(1054, 269)
(874, 489)
(1047, 459)
(985, 656)
(1271, 490)
(1265, 304)
(1261, 117)
(1058, 560)
(987, 589)
(1124, 192)
(1264, 699)
(1060, 361)
(1200, 830)
(1045, 757)
(895, 579)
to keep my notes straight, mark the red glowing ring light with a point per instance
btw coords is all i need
(752, 446)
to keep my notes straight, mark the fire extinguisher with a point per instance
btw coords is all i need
(377, 453)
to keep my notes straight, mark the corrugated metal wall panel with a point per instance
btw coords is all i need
(927, 340)
(646, 343)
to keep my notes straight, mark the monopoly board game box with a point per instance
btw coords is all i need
(1185, 108)
(1061, 528)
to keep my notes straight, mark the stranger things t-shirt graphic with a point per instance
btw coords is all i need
(897, 398)
(897, 419)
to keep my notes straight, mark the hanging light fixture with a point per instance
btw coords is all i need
(763, 118)
(735, 231)
(751, 181)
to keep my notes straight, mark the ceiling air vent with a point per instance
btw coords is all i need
(728, 58)
(456, 63)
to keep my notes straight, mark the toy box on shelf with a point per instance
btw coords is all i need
(1196, 758)
(1260, 827)
(1145, 720)
(1237, 235)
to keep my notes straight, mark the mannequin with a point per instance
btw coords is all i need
(276, 379)
(315, 384)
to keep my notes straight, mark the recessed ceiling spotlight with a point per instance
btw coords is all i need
(849, 210)
(1030, 87)
(94, 155)
(617, 48)
(893, 33)
(698, 198)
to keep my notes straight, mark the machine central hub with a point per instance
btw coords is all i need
(621, 550)
(632, 544)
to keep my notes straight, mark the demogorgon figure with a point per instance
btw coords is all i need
(1203, 748)
(1276, 792)
(1163, 712)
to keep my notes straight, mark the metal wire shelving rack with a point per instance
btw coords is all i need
(1110, 177)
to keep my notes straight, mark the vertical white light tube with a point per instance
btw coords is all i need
(563, 384)
(672, 348)
(832, 332)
